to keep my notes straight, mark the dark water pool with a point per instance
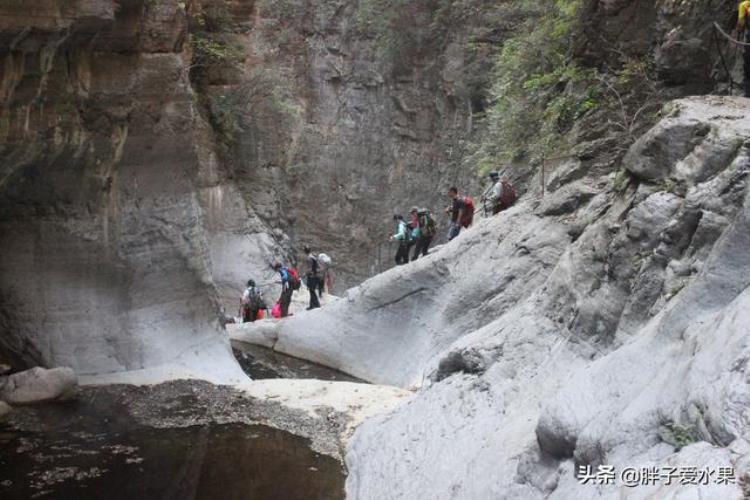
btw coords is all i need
(95, 449)
(260, 362)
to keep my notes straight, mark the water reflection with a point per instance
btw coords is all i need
(93, 449)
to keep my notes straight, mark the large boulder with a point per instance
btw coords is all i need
(39, 384)
(693, 143)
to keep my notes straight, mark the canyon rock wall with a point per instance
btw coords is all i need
(337, 127)
(610, 331)
(141, 185)
(156, 155)
(112, 209)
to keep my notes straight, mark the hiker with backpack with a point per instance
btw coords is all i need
(487, 192)
(461, 211)
(427, 229)
(492, 194)
(251, 303)
(290, 281)
(404, 237)
(312, 278)
(500, 196)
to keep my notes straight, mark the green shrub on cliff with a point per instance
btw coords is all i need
(539, 90)
(407, 31)
(209, 37)
(211, 50)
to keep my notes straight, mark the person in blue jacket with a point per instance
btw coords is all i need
(286, 288)
(403, 236)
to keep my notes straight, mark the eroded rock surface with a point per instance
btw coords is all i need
(38, 385)
(117, 225)
(612, 334)
(140, 186)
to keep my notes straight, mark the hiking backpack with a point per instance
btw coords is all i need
(254, 299)
(294, 280)
(426, 223)
(324, 261)
(508, 197)
(468, 216)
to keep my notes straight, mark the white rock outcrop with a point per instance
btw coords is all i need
(611, 330)
(37, 385)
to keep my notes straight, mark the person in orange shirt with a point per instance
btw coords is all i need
(742, 20)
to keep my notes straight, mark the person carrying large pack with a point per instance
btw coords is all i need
(427, 229)
(461, 211)
(290, 281)
(500, 196)
(491, 197)
(404, 237)
(251, 303)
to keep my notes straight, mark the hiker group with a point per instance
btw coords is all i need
(317, 277)
(420, 228)
(414, 235)
(417, 232)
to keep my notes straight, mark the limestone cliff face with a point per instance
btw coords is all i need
(354, 127)
(141, 186)
(154, 155)
(678, 35)
(113, 212)
(337, 133)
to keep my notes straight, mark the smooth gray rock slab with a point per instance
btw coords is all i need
(39, 384)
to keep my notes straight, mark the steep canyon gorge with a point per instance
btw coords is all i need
(155, 154)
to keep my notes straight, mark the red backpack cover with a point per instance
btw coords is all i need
(294, 280)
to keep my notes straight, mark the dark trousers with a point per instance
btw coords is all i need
(423, 244)
(454, 231)
(285, 300)
(249, 314)
(402, 254)
(747, 64)
(313, 282)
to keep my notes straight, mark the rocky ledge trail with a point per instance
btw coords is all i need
(603, 325)
(154, 155)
